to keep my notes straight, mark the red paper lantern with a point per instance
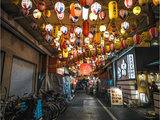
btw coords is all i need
(76, 10)
(89, 3)
(103, 50)
(112, 47)
(123, 44)
(153, 32)
(137, 39)
(83, 2)
(128, 3)
(41, 5)
(85, 69)
(102, 15)
(85, 28)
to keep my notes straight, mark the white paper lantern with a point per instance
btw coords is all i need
(93, 17)
(85, 11)
(59, 7)
(106, 34)
(78, 31)
(87, 40)
(102, 28)
(125, 25)
(96, 8)
(72, 35)
(49, 28)
(90, 35)
(27, 4)
(111, 37)
(37, 14)
(63, 29)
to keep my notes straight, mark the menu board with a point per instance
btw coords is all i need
(116, 96)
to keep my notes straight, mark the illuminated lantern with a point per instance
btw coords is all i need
(63, 29)
(142, 2)
(71, 29)
(27, 4)
(72, 18)
(123, 44)
(85, 69)
(24, 12)
(65, 53)
(145, 36)
(48, 37)
(97, 38)
(34, 26)
(87, 40)
(137, 39)
(47, 13)
(59, 7)
(112, 47)
(106, 34)
(85, 28)
(96, 8)
(123, 14)
(83, 2)
(72, 35)
(113, 9)
(102, 15)
(78, 31)
(156, 2)
(90, 35)
(117, 45)
(36, 14)
(129, 41)
(76, 10)
(89, 3)
(15, 2)
(102, 28)
(128, 3)
(125, 25)
(41, 5)
(93, 17)
(59, 55)
(153, 32)
(123, 31)
(49, 28)
(55, 31)
(137, 10)
(98, 51)
(60, 15)
(85, 12)
(107, 48)
(111, 37)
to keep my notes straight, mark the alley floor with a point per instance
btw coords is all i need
(87, 107)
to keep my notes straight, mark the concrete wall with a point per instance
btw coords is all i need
(13, 46)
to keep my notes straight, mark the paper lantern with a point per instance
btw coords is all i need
(111, 37)
(78, 31)
(72, 35)
(65, 53)
(112, 47)
(63, 29)
(49, 28)
(15, 2)
(76, 10)
(48, 37)
(145, 36)
(137, 39)
(60, 55)
(59, 7)
(87, 40)
(128, 3)
(89, 3)
(85, 69)
(107, 48)
(36, 14)
(27, 4)
(83, 2)
(123, 14)
(85, 28)
(142, 2)
(117, 45)
(102, 15)
(129, 41)
(24, 12)
(47, 13)
(153, 32)
(95, 8)
(97, 38)
(137, 10)
(72, 18)
(93, 17)
(123, 31)
(60, 15)
(90, 35)
(125, 25)
(102, 28)
(55, 32)
(41, 5)
(85, 11)
(113, 10)
(156, 2)
(34, 26)
(106, 34)
(123, 44)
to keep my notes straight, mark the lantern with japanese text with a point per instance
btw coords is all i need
(95, 8)
(15, 2)
(59, 7)
(156, 2)
(125, 25)
(142, 2)
(76, 10)
(113, 10)
(123, 14)
(24, 12)
(48, 37)
(47, 13)
(55, 31)
(85, 69)
(37, 14)
(102, 15)
(112, 47)
(63, 29)
(153, 32)
(93, 17)
(78, 31)
(137, 39)
(85, 28)
(129, 41)
(49, 28)
(128, 3)
(145, 36)
(41, 5)
(27, 4)
(106, 34)
(123, 44)
(137, 10)
(60, 15)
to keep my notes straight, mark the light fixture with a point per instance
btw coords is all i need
(102, 28)
(93, 17)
